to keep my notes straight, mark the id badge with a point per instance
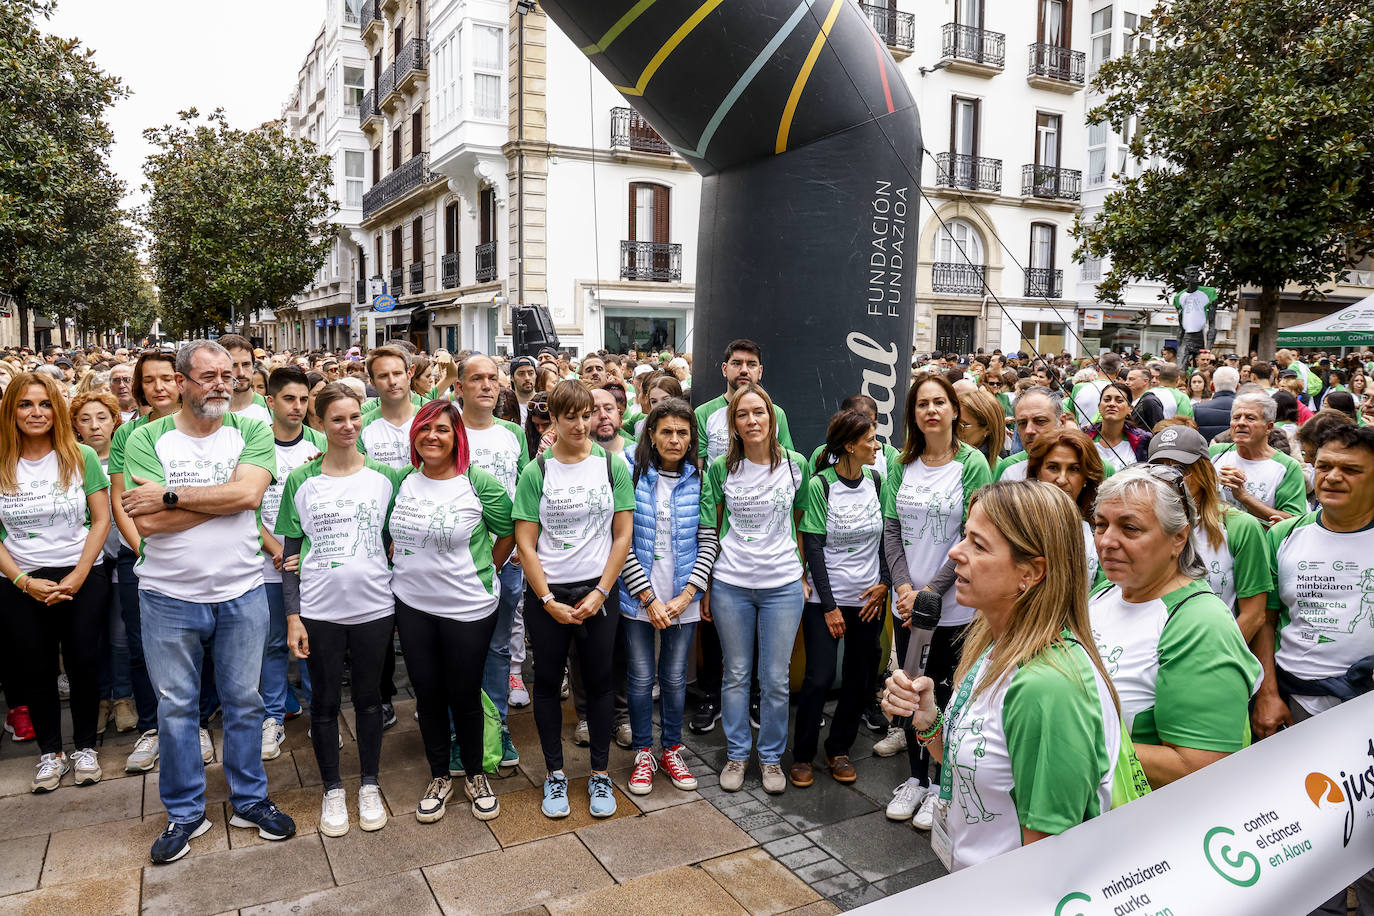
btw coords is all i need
(939, 837)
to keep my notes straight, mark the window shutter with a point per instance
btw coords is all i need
(417, 240)
(661, 222)
(451, 228)
(396, 246)
(634, 200)
(416, 132)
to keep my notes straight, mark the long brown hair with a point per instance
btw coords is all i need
(62, 435)
(984, 406)
(1037, 520)
(736, 452)
(915, 439)
(1076, 441)
(1210, 509)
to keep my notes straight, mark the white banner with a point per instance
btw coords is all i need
(1274, 830)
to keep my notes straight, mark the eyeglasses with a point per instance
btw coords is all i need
(1175, 478)
(225, 380)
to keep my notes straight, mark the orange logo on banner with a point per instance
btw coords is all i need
(1319, 785)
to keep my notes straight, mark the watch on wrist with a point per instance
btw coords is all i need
(547, 598)
(169, 498)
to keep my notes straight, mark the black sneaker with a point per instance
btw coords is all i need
(272, 822)
(875, 720)
(388, 716)
(706, 716)
(175, 841)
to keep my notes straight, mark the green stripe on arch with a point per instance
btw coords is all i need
(621, 25)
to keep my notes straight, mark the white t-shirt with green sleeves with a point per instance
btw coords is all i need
(1172, 401)
(220, 558)
(1240, 567)
(344, 573)
(1013, 467)
(886, 458)
(290, 455)
(43, 523)
(573, 505)
(257, 410)
(1039, 749)
(1324, 593)
(932, 504)
(713, 428)
(384, 443)
(501, 450)
(1276, 481)
(758, 535)
(1085, 399)
(1090, 547)
(1186, 678)
(442, 533)
(851, 519)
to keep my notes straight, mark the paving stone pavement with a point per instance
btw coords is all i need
(819, 850)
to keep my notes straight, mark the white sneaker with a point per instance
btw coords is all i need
(893, 744)
(64, 687)
(924, 818)
(371, 811)
(334, 813)
(581, 737)
(86, 764)
(51, 768)
(906, 798)
(144, 755)
(272, 737)
(624, 735)
(207, 747)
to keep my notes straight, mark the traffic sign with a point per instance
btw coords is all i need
(384, 303)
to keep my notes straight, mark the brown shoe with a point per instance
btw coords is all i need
(801, 775)
(104, 714)
(841, 768)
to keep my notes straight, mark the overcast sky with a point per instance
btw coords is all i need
(243, 57)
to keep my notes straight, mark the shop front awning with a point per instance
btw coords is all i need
(1351, 326)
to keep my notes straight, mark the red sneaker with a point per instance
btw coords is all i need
(677, 770)
(642, 777)
(19, 724)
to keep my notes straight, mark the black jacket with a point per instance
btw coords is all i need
(1214, 415)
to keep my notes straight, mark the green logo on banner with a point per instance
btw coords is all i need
(1242, 869)
(1071, 897)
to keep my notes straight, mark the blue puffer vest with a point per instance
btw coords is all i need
(686, 512)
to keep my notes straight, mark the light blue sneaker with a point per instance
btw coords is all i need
(603, 798)
(556, 797)
(510, 757)
(455, 757)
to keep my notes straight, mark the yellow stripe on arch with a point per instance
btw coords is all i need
(670, 46)
(621, 25)
(785, 126)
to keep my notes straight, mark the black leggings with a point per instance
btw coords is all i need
(595, 645)
(366, 645)
(860, 660)
(79, 628)
(445, 658)
(945, 647)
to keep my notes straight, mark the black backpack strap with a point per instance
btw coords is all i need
(610, 475)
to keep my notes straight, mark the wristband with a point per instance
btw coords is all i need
(18, 577)
(930, 733)
(547, 598)
(604, 593)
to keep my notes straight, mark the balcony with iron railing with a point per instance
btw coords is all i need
(361, 294)
(371, 18)
(896, 28)
(411, 174)
(660, 261)
(1091, 270)
(350, 17)
(971, 173)
(1044, 282)
(1056, 68)
(417, 278)
(1050, 183)
(449, 267)
(369, 112)
(386, 89)
(486, 262)
(398, 276)
(630, 131)
(959, 278)
(411, 64)
(969, 49)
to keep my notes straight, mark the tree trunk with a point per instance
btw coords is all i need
(21, 304)
(1269, 322)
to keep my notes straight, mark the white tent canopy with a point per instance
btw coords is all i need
(1351, 326)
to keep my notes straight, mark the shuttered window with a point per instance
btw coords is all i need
(649, 213)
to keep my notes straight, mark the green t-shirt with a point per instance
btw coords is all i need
(574, 504)
(120, 440)
(713, 428)
(374, 405)
(758, 534)
(1276, 481)
(1239, 568)
(851, 518)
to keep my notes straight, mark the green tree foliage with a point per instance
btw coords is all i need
(238, 219)
(54, 139)
(1263, 111)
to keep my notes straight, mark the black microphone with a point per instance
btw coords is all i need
(925, 616)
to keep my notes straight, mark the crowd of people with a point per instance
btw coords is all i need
(1114, 545)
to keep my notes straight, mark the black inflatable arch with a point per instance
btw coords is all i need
(807, 137)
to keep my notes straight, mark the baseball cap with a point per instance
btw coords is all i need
(642, 369)
(64, 363)
(521, 362)
(1289, 373)
(260, 353)
(1178, 443)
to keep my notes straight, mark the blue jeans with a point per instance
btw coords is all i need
(174, 636)
(675, 642)
(275, 656)
(145, 700)
(496, 670)
(115, 683)
(770, 615)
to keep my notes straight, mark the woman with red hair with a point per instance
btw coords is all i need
(446, 514)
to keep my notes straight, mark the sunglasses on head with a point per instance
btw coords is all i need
(1175, 478)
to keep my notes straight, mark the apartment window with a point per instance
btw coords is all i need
(417, 127)
(447, 82)
(1042, 246)
(488, 77)
(353, 178)
(397, 252)
(1100, 48)
(1053, 25)
(377, 246)
(334, 260)
(969, 13)
(353, 90)
(395, 148)
(451, 228)
(1135, 33)
(362, 263)
(957, 242)
(353, 11)
(486, 208)
(1047, 139)
(376, 164)
(963, 126)
(397, 38)
(331, 87)
(1098, 135)
(649, 212)
(417, 240)
(1043, 337)
(376, 70)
